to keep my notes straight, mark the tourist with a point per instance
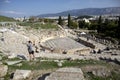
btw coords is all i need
(64, 52)
(99, 51)
(2, 39)
(107, 48)
(30, 50)
(52, 49)
(87, 38)
(35, 48)
(94, 51)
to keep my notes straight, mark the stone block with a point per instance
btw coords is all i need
(21, 74)
(0, 58)
(13, 62)
(3, 70)
(66, 74)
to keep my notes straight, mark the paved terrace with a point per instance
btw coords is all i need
(74, 56)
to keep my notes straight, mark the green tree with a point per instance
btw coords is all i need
(40, 19)
(60, 21)
(81, 24)
(99, 24)
(46, 20)
(84, 16)
(110, 28)
(74, 25)
(51, 20)
(32, 19)
(93, 26)
(69, 21)
(118, 29)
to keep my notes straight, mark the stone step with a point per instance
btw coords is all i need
(66, 74)
(63, 78)
(53, 44)
(49, 44)
(63, 43)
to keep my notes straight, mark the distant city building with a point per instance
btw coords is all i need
(86, 20)
(21, 19)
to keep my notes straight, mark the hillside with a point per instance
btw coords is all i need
(4, 18)
(86, 11)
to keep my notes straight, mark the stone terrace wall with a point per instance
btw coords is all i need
(86, 43)
(43, 35)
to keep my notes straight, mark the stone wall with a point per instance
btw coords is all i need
(86, 43)
(80, 51)
(43, 34)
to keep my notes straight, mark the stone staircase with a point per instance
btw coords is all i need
(63, 43)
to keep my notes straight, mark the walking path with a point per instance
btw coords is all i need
(79, 57)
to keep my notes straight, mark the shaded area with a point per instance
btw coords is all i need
(22, 56)
(110, 60)
(44, 76)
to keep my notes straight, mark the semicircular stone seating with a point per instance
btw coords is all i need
(64, 44)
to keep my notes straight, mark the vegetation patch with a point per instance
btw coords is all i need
(38, 25)
(50, 64)
(32, 65)
(4, 18)
(114, 76)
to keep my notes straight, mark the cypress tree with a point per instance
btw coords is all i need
(69, 20)
(118, 29)
(99, 24)
(60, 20)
